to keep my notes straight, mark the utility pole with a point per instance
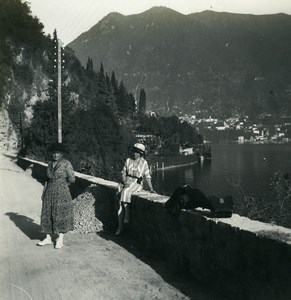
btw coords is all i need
(21, 130)
(59, 91)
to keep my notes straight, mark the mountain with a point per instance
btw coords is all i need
(208, 62)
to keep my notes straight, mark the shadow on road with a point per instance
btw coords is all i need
(26, 225)
(12, 156)
(188, 286)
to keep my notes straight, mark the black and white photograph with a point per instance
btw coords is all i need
(145, 149)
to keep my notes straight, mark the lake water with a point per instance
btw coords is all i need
(249, 166)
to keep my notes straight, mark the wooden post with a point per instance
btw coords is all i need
(21, 130)
(59, 91)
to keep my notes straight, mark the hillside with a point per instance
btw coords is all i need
(28, 76)
(99, 116)
(91, 114)
(216, 63)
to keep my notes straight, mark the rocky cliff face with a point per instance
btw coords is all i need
(26, 65)
(27, 83)
(8, 134)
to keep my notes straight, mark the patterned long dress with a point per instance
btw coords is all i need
(133, 172)
(57, 208)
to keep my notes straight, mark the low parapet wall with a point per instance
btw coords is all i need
(238, 256)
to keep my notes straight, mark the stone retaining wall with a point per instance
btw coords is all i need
(239, 257)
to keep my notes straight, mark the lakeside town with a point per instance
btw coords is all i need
(241, 129)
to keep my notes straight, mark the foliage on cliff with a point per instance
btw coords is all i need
(21, 38)
(91, 128)
(278, 209)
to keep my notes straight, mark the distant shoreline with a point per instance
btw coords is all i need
(176, 166)
(248, 142)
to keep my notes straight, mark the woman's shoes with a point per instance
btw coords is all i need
(59, 244)
(46, 241)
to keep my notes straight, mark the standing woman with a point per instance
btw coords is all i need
(57, 208)
(132, 176)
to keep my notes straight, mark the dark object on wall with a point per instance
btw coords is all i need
(186, 197)
(221, 207)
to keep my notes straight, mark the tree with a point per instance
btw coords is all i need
(142, 102)
(121, 99)
(110, 98)
(44, 127)
(114, 82)
(131, 104)
(55, 36)
(89, 65)
(19, 33)
(101, 81)
(101, 72)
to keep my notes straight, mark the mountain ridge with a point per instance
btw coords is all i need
(206, 61)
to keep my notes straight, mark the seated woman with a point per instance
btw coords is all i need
(132, 175)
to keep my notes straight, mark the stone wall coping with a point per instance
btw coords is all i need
(271, 231)
(34, 161)
(262, 229)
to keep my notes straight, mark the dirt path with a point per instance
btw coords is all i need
(87, 267)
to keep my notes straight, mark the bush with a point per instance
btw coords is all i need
(278, 209)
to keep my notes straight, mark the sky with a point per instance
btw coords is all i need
(73, 17)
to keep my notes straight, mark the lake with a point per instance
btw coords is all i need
(247, 166)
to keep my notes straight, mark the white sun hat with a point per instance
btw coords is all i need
(139, 147)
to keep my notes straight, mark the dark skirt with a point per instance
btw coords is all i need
(57, 208)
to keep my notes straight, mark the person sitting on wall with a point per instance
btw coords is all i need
(132, 178)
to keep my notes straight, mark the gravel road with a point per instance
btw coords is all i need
(87, 267)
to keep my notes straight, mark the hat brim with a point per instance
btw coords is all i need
(137, 150)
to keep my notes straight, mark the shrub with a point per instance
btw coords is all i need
(278, 209)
